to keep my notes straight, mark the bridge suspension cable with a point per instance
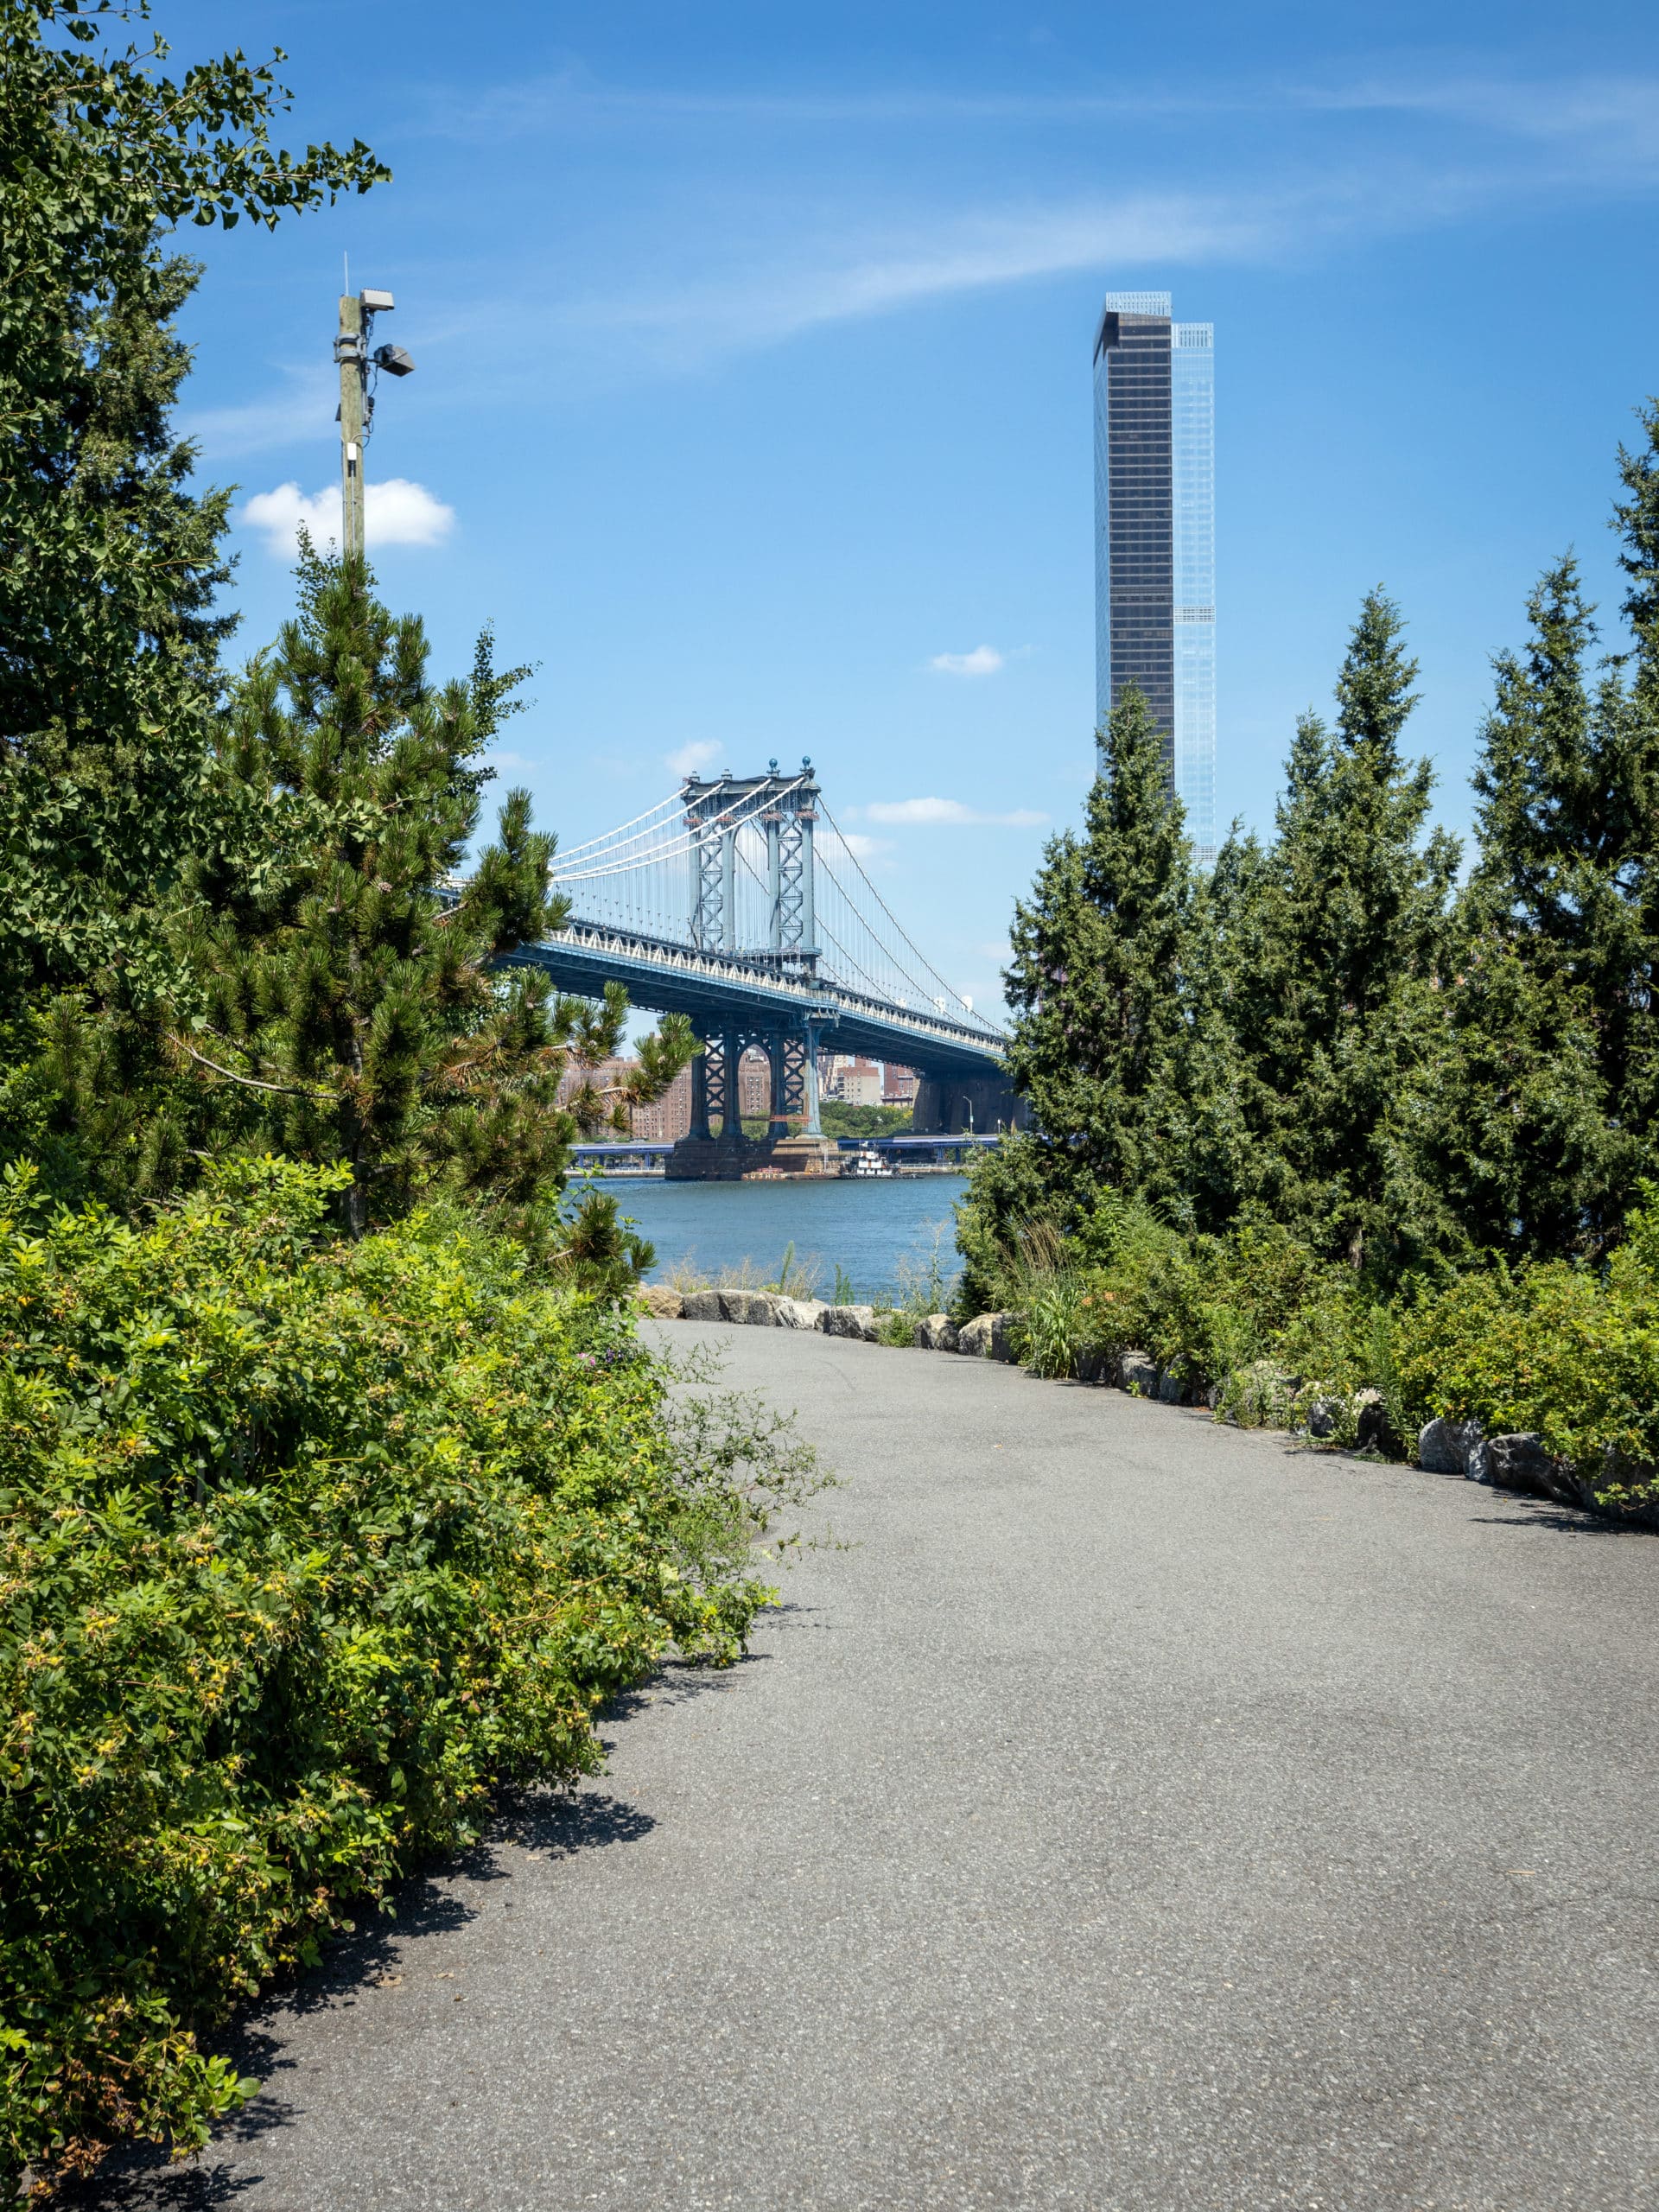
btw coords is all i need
(647, 876)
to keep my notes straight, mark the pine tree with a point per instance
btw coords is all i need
(1516, 1142)
(351, 1009)
(1116, 1042)
(1334, 943)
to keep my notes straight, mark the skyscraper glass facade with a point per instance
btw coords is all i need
(1154, 535)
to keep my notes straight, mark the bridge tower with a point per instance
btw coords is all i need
(785, 808)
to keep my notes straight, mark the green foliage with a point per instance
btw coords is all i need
(1565, 1351)
(347, 1013)
(839, 1120)
(305, 1545)
(1116, 1043)
(1531, 1124)
(108, 562)
(1331, 949)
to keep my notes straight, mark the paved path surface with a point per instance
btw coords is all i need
(1144, 1816)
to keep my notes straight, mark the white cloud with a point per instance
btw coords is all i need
(862, 848)
(396, 513)
(984, 660)
(702, 753)
(948, 811)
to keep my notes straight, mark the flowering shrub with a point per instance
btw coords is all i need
(303, 1547)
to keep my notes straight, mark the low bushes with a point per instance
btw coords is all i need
(1565, 1351)
(303, 1547)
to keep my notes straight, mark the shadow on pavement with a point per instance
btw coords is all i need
(555, 1823)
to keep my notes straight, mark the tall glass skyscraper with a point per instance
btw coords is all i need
(1155, 535)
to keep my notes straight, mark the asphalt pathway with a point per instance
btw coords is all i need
(1140, 1814)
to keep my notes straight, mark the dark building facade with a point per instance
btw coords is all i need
(1154, 535)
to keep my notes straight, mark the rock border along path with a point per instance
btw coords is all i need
(1123, 1822)
(1519, 1463)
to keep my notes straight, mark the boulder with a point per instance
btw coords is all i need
(755, 1309)
(1137, 1373)
(988, 1336)
(658, 1299)
(1095, 1365)
(1443, 1447)
(857, 1321)
(934, 1332)
(1520, 1462)
(1323, 1414)
(1373, 1430)
(798, 1312)
(1172, 1387)
(701, 1305)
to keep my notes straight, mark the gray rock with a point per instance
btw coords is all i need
(936, 1333)
(1137, 1373)
(1374, 1431)
(701, 1306)
(1172, 1387)
(1323, 1414)
(656, 1298)
(857, 1321)
(1520, 1462)
(757, 1309)
(1443, 1447)
(988, 1336)
(798, 1312)
(1098, 1366)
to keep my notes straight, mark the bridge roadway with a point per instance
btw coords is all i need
(717, 989)
(1129, 1815)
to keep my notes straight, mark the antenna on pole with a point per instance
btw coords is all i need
(357, 314)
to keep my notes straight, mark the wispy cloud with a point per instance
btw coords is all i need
(395, 512)
(785, 249)
(702, 753)
(984, 660)
(946, 812)
(303, 410)
(810, 286)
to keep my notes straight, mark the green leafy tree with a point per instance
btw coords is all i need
(356, 1004)
(1517, 1142)
(1116, 1042)
(108, 562)
(1334, 939)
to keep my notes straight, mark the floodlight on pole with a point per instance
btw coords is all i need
(357, 314)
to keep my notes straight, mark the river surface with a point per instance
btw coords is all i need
(879, 1232)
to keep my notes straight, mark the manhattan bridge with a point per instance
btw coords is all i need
(738, 901)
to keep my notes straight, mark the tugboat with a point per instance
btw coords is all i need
(866, 1161)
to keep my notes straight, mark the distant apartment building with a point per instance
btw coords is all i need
(898, 1086)
(853, 1081)
(1155, 536)
(670, 1119)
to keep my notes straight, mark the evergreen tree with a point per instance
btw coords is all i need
(350, 1009)
(108, 562)
(1517, 1141)
(1115, 1042)
(1333, 941)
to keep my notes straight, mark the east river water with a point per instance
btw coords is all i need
(877, 1229)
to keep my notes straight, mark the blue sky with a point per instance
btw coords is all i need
(753, 370)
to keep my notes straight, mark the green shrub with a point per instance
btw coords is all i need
(303, 1548)
(1566, 1351)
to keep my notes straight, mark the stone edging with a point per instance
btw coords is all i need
(1519, 1463)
